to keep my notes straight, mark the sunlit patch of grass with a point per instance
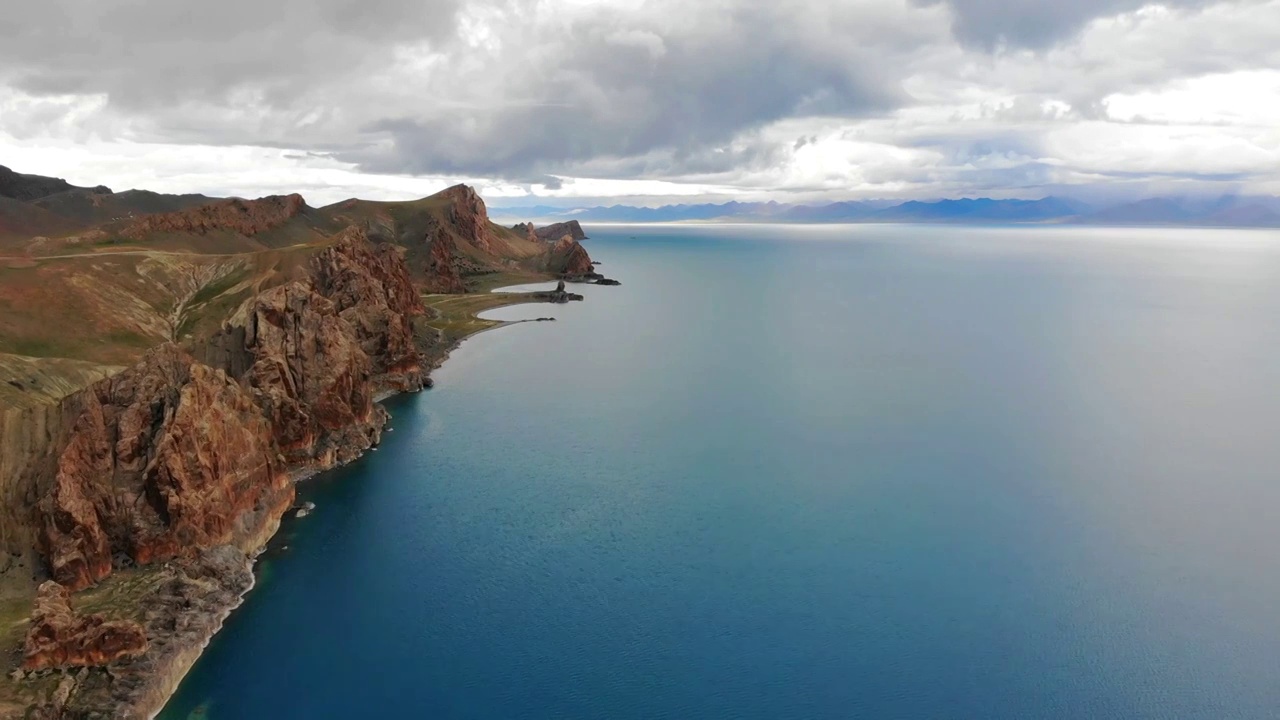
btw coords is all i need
(456, 316)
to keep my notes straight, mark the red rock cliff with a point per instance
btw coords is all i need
(315, 352)
(371, 289)
(470, 218)
(570, 258)
(175, 454)
(311, 377)
(441, 274)
(168, 455)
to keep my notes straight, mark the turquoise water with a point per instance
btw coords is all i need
(871, 471)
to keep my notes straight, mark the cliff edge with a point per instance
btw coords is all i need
(141, 491)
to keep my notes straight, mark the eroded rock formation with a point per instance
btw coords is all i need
(184, 605)
(553, 232)
(559, 295)
(372, 290)
(469, 218)
(311, 377)
(167, 455)
(58, 638)
(527, 230)
(176, 454)
(246, 217)
(572, 257)
(441, 273)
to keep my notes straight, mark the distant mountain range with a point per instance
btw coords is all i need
(1225, 211)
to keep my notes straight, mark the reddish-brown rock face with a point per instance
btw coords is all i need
(442, 272)
(58, 638)
(578, 261)
(168, 455)
(311, 377)
(214, 480)
(354, 270)
(315, 352)
(79, 505)
(470, 218)
(173, 455)
(246, 217)
(571, 258)
(553, 233)
(371, 289)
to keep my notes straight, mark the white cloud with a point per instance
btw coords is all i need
(1245, 99)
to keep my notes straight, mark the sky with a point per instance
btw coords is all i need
(647, 101)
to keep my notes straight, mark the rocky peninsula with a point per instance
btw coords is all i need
(170, 368)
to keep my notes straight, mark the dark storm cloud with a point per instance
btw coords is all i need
(1034, 23)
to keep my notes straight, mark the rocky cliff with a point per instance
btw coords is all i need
(440, 273)
(186, 456)
(470, 219)
(373, 291)
(449, 239)
(570, 261)
(87, 479)
(574, 259)
(527, 230)
(31, 439)
(174, 470)
(315, 353)
(167, 456)
(176, 453)
(246, 217)
(555, 231)
(311, 377)
(177, 608)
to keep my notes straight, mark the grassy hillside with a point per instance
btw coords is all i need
(87, 208)
(110, 308)
(22, 221)
(92, 279)
(410, 223)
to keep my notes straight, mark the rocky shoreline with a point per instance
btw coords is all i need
(139, 499)
(184, 605)
(203, 623)
(190, 604)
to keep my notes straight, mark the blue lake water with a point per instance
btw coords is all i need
(810, 472)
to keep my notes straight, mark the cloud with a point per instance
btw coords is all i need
(678, 81)
(513, 88)
(146, 52)
(1035, 23)
(811, 97)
